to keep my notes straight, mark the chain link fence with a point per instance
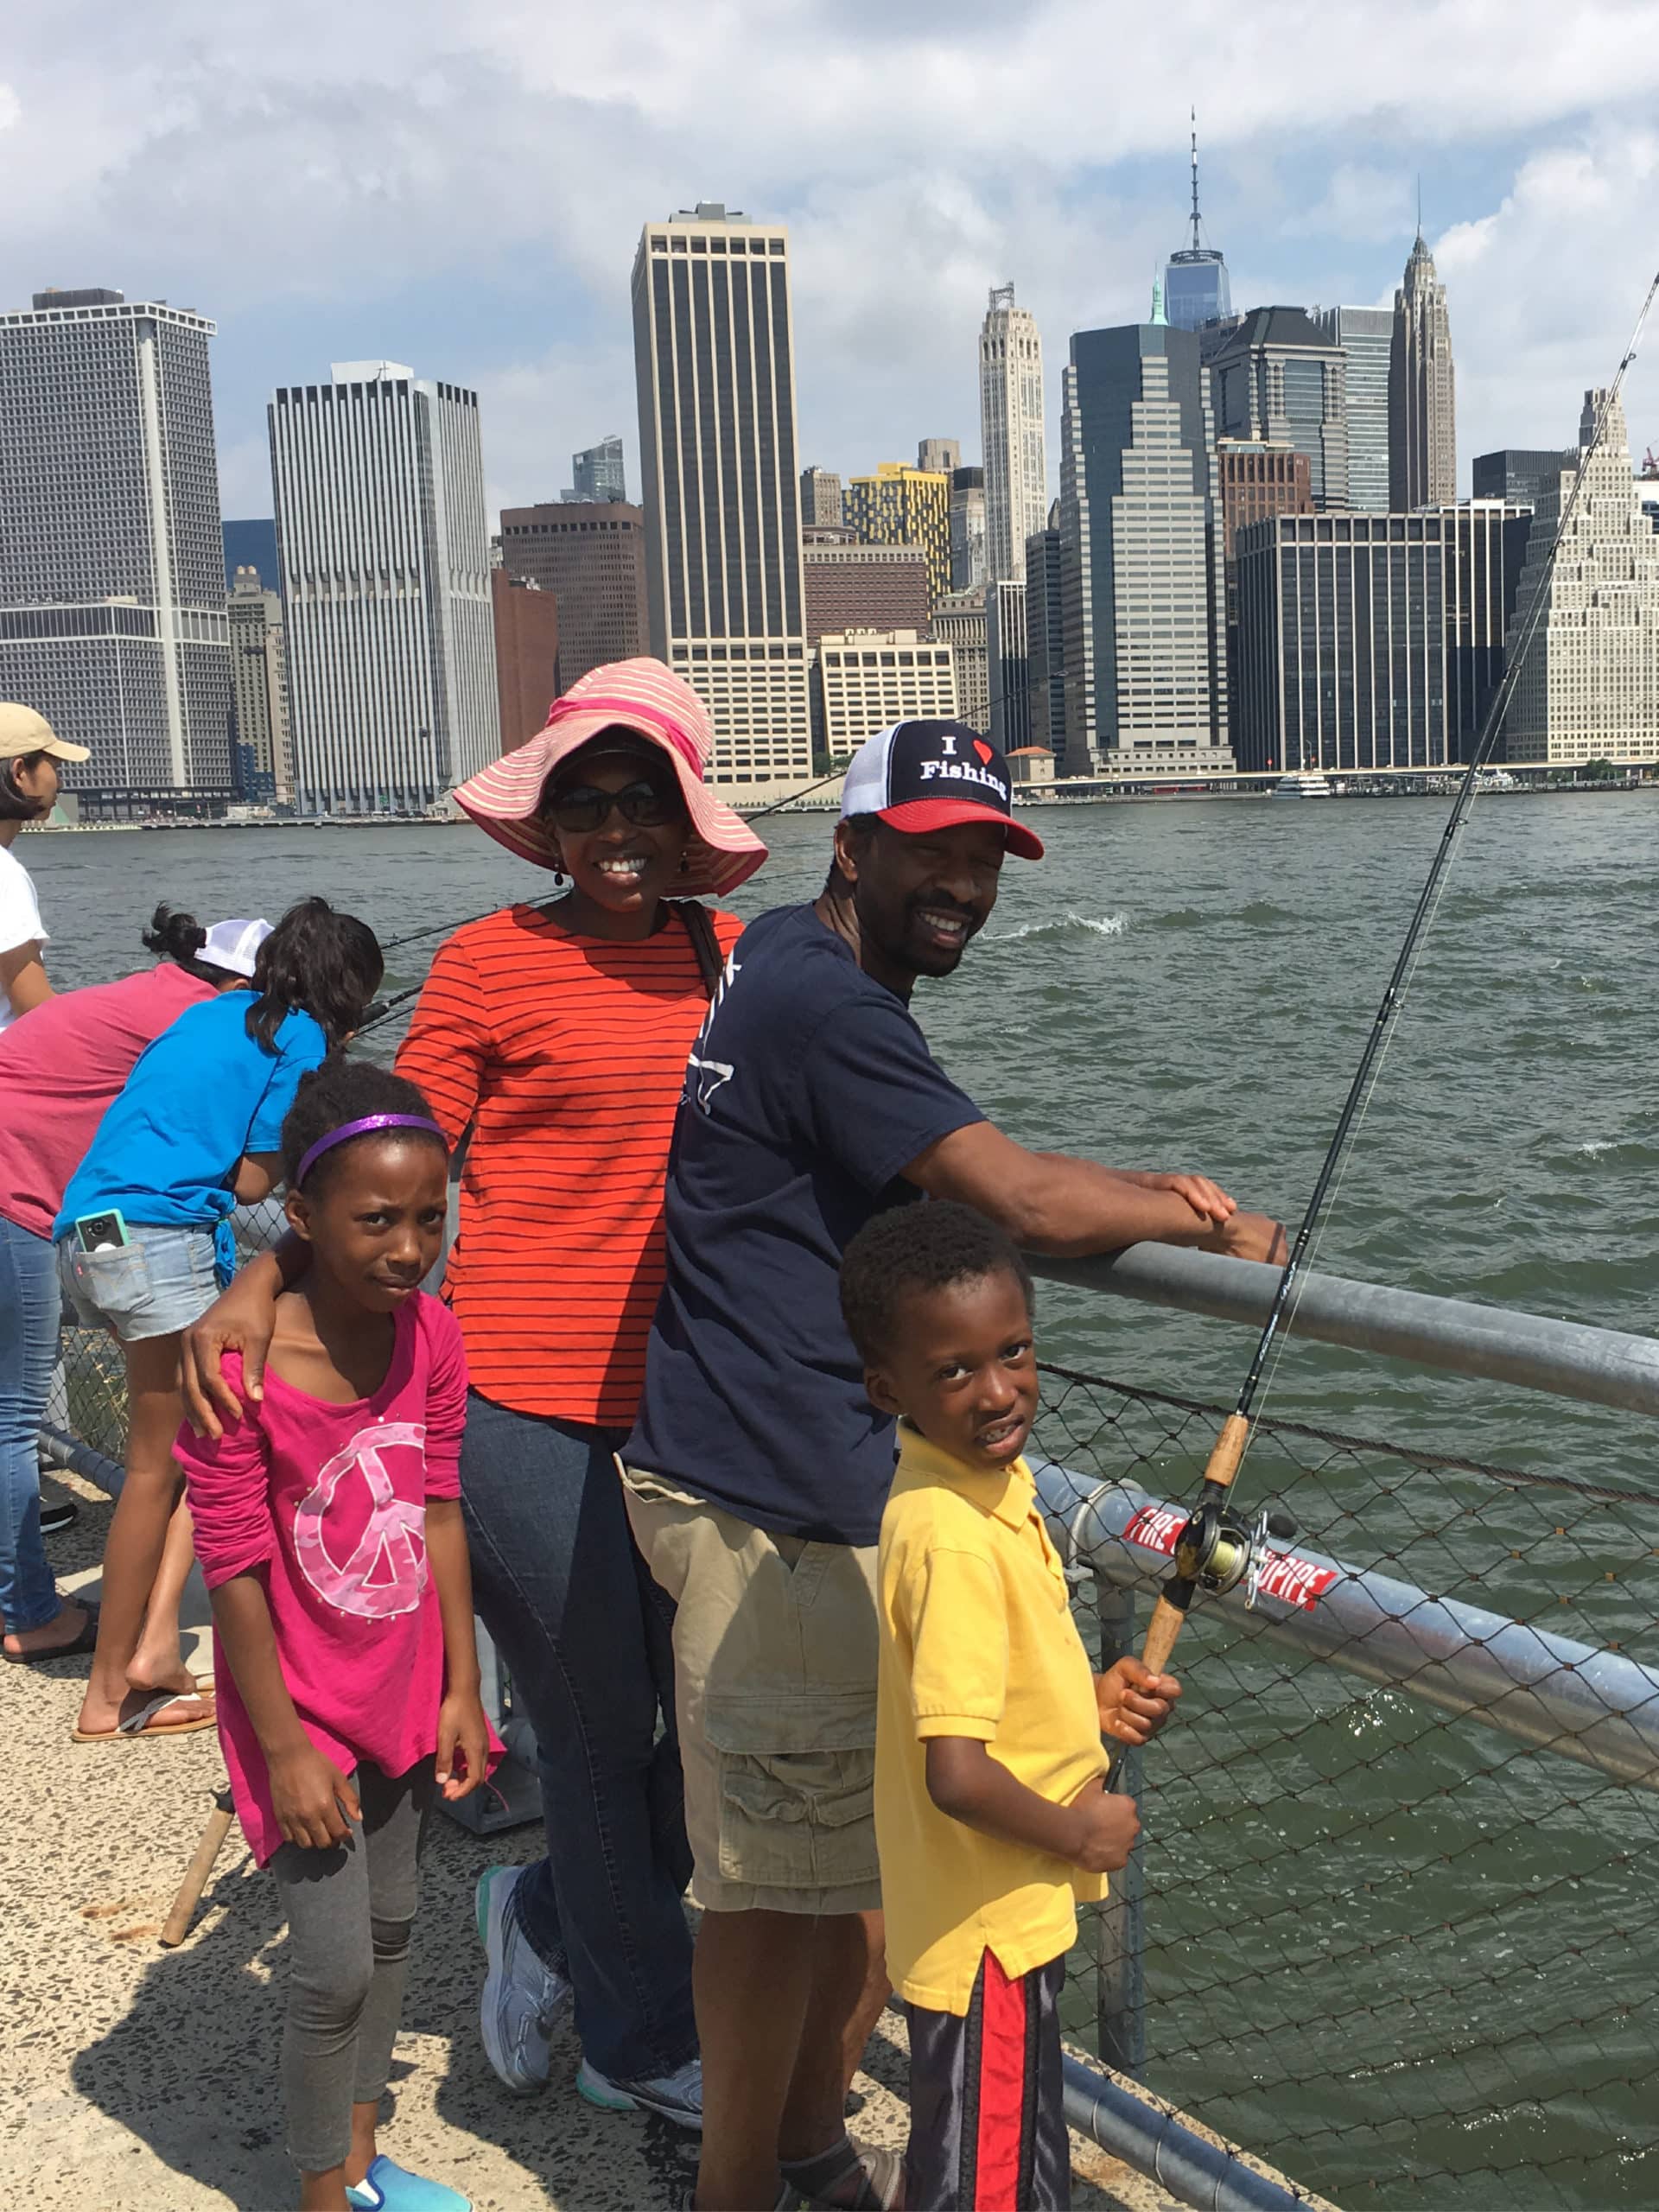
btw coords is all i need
(1399, 1955)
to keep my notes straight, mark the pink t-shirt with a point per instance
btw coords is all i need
(61, 1066)
(327, 1505)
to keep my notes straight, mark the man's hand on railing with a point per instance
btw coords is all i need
(1249, 1237)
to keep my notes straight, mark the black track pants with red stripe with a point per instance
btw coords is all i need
(986, 2099)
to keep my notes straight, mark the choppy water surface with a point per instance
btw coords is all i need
(1189, 985)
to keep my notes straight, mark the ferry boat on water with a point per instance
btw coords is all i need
(1307, 786)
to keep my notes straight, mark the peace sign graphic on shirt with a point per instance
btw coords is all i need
(386, 1571)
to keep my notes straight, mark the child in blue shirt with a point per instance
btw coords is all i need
(144, 1245)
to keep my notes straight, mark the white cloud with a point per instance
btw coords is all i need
(342, 157)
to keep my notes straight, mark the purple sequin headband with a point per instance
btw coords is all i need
(361, 1129)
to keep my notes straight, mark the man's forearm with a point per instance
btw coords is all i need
(1080, 1207)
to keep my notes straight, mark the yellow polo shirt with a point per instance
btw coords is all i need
(977, 1639)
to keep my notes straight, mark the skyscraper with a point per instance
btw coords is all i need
(251, 544)
(1588, 687)
(938, 456)
(1141, 544)
(1279, 380)
(820, 499)
(262, 760)
(1422, 401)
(1045, 638)
(1519, 473)
(112, 616)
(598, 472)
(1007, 666)
(1372, 641)
(904, 506)
(378, 480)
(714, 352)
(967, 528)
(1011, 431)
(1366, 337)
(959, 622)
(592, 559)
(1196, 289)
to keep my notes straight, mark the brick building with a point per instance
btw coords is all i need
(526, 655)
(853, 586)
(590, 556)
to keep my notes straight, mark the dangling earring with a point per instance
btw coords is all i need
(557, 859)
(685, 863)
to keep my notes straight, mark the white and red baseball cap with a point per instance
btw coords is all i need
(921, 775)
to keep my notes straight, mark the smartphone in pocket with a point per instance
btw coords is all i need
(102, 1232)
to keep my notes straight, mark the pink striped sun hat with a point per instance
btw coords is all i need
(650, 701)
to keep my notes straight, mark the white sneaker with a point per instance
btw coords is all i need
(523, 1996)
(677, 2096)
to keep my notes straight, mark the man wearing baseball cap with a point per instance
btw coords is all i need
(758, 1470)
(29, 752)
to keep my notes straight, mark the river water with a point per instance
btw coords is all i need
(1434, 1937)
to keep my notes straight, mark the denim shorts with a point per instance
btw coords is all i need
(154, 1285)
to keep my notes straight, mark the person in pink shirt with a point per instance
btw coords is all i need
(61, 1066)
(329, 1526)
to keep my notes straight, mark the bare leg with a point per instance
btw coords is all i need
(158, 1664)
(325, 2192)
(138, 1531)
(850, 1987)
(752, 1983)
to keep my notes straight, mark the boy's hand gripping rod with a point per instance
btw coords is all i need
(1216, 1547)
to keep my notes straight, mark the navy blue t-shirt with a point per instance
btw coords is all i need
(808, 1091)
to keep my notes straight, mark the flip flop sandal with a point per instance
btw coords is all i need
(143, 1722)
(84, 1641)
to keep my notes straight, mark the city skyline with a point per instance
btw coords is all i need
(393, 229)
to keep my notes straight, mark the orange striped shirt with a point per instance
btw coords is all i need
(566, 1056)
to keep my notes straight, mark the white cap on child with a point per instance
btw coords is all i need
(234, 945)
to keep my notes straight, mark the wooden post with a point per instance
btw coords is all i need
(176, 1926)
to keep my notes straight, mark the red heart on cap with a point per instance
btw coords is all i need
(983, 751)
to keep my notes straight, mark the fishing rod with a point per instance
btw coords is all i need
(437, 929)
(1217, 1546)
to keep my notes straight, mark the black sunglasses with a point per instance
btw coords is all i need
(584, 807)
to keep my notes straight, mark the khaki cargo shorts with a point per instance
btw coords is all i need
(774, 1685)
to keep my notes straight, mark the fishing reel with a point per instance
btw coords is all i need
(1218, 1548)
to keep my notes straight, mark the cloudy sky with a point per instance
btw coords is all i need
(461, 187)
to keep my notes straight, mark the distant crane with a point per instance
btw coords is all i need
(1650, 464)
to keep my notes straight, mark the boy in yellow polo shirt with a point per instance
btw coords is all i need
(992, 1817)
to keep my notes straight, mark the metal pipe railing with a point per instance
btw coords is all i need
(1605, 1366)
(1597, 1707)
(1157, 2143)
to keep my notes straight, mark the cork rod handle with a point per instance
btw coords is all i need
(1166, 1626)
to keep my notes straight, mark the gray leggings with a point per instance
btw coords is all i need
(349, 1913)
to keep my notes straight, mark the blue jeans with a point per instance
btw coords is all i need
(28, 1352)
(587, 1637)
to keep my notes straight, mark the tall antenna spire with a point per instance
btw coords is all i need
(1419, 207)
(1195, 245)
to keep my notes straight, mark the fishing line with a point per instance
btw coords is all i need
(1216, 1549)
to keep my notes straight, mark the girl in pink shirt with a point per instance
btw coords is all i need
(329, 1526)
